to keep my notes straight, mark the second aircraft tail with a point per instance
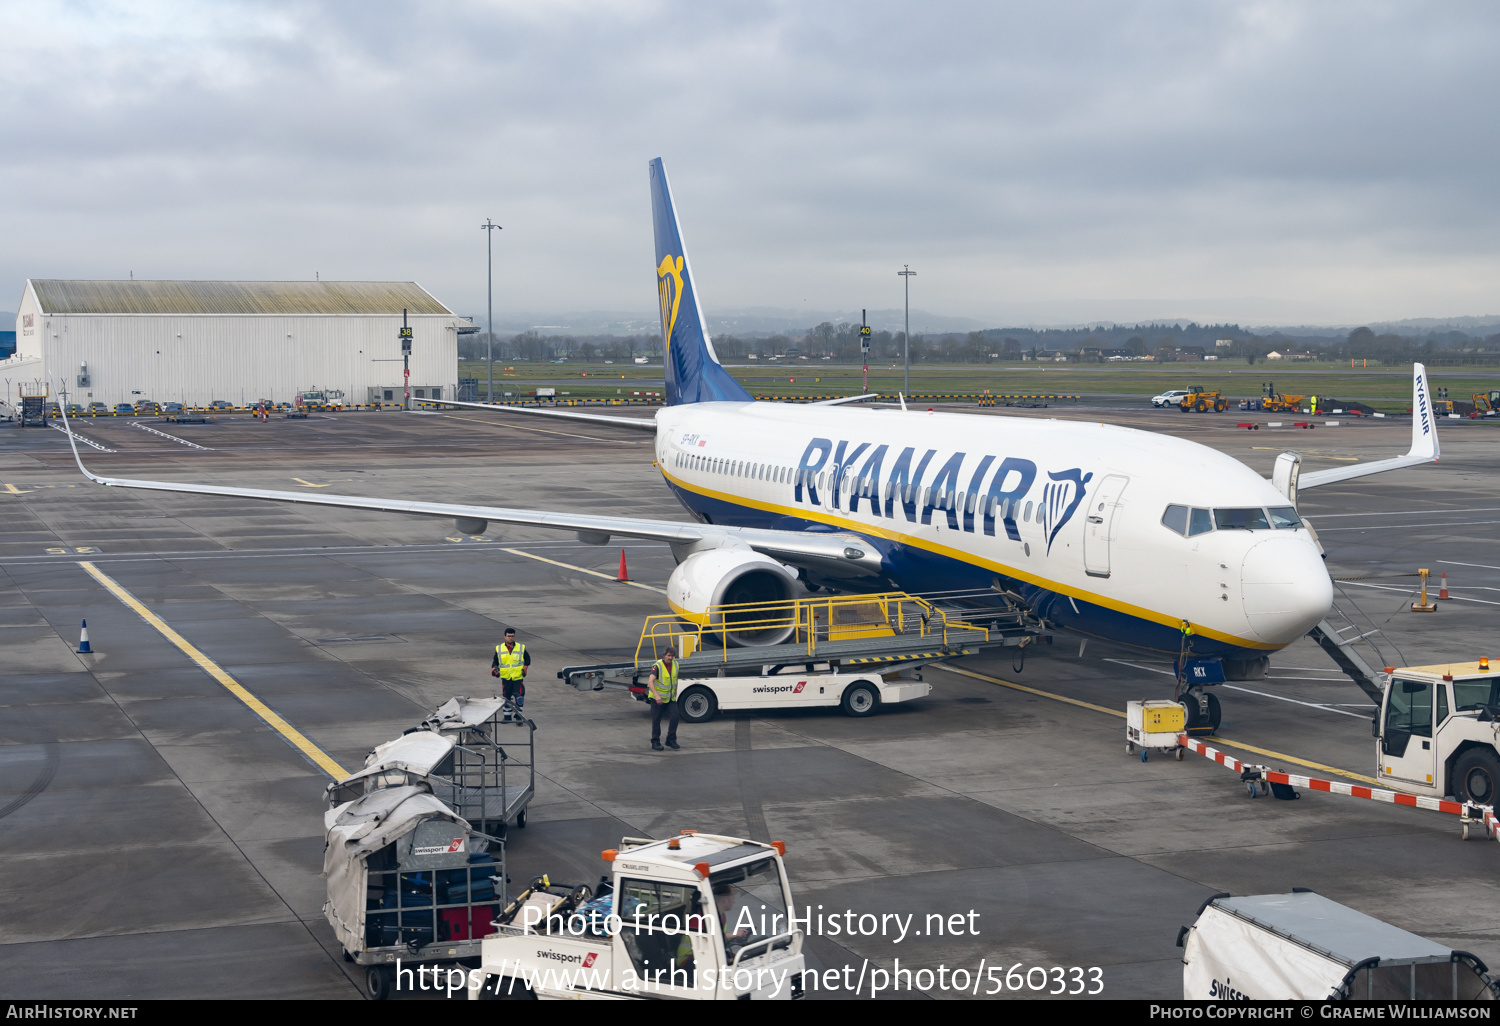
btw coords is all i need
(693, 373)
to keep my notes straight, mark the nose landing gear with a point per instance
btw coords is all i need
(1203, 711)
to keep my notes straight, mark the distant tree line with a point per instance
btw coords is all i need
(1164, 342)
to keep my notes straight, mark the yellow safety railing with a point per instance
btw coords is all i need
(804, 621)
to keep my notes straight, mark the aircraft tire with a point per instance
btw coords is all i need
(1190, 722)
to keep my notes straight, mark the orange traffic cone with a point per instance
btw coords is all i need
(1443, 586)
(623, 575)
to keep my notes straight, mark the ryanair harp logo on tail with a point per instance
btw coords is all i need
(669, 291)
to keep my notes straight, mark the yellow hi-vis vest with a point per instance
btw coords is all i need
(512, 664)
(665, 687)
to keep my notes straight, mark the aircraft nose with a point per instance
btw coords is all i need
(1285, 587)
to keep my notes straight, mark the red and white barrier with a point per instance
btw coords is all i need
(1249, 772)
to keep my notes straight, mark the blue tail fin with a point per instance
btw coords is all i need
(692, 368)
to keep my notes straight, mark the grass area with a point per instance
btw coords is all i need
(1238, 381)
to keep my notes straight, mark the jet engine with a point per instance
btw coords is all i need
(719, 577)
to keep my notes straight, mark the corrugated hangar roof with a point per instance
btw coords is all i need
(234, 297)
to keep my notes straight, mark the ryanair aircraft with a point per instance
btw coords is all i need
(1106, 531)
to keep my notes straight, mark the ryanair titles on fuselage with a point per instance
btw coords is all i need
(905, 487)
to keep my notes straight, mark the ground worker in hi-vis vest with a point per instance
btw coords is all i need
(510, 663)
(661, 692)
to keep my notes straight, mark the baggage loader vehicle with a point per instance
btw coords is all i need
(855, 652)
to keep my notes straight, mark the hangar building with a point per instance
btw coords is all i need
(198, 341)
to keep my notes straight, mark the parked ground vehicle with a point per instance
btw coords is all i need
(124, 408)
(1198, 399)
(1279, 403)
(1168, 398)
(1438, 732)
(857, 694)
(697, 917)
(221, 404)
(74, 410)
(97, 408)
(1303, 946)
(318, 397)
(171, 407)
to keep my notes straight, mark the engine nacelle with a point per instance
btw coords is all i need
(718, 577)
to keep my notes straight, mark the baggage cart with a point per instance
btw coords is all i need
(1305, 947)
(480, 766)
(409, 880)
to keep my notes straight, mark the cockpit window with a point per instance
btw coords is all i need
(1284, 517)
(1200, 522)
(1175, 519)
(1252, 519)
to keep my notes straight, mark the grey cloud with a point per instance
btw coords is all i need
(1256, 160)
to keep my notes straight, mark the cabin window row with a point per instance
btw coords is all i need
(956, 500)
(1189, 521)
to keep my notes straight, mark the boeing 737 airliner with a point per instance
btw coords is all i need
(1106, 531)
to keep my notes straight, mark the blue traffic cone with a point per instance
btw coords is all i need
(83, 639)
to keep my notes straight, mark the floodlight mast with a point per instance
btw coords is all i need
(864, 349)
(490, 228)
(907, 275)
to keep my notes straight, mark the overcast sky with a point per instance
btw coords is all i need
(1035, 163)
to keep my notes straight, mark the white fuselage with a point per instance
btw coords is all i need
(1065, 513)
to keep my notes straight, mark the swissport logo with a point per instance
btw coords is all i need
(588, 960)
(455, 845)
(798, 689)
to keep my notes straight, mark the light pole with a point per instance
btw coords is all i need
(490, 228)
(907, 275)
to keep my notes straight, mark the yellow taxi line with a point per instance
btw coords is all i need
(1217, 740)
(208, 666)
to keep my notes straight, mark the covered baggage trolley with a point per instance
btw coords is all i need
(481, 768)
(492, 777)
(408, 879)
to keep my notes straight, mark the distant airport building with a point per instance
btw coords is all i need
(198, 341)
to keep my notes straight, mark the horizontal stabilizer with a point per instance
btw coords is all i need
(639, 423)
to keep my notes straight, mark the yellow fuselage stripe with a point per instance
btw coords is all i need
(1115, 712)
(208, 666)
(968, 557)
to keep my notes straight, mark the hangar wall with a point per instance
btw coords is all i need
(118, 356)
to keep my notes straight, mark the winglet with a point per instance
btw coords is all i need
(1424, 441)
(62, 410)
(1424, 438)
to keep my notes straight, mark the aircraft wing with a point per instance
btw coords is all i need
(841, 400)
(1424, 441)
(639, 423)
(839, 553)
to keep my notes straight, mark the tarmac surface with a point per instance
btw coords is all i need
(157, 839)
